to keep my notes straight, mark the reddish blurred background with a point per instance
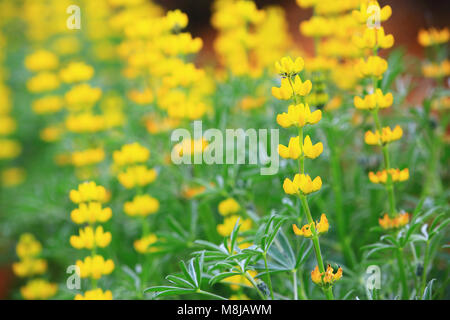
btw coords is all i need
(407, 18)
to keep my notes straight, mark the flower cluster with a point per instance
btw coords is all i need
(89, 196)
(30, 265)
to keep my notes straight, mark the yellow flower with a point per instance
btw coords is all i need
(436, 70)
(387, 135)
(29, 267)
(51, 134)
(326, 278)
(141, 97)
(190, 146)
(286, 67)
(141, 205)
(85, 122)
(90, 212)
(95, 294)
(397, 175)
(43, 81)
(28, 246)
(76, 72)
(176, 19)
(7, 125)
(294, 150)
(373, 67)
(317, 26)
(365, 14)
(374, 100)
(298, 115)
(9, 149)
(144, 245)
(303, 183)
(41, 60)
(87, 157)
(82, 97)
(229, 206)
(138, 175)
(285, 91)
(48, 104)
(88, 191)
(398, 221)
(374, 38)
(95, 267)
(38, 289)
(229, 222)
(321, 226)
(89, 239)
(130, 154)
(433, 36)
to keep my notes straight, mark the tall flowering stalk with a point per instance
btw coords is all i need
(299, 115)
(90, 213)
(372, 68)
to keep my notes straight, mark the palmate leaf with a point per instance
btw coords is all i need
(219, 277)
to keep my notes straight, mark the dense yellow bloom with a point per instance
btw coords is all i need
(229, 206)
(90, 213)
(144, 245)
(28, 246)
(303, 183)
(294, 150)
(374, 38)
(190, 146)
(12, 177)
(181, 44)
(286, 67)
(436, 70)
(365, 13)
(374, 100)
(88, 191)
(85, 122)
(88, 239)
(29, 267)
(288, 89)
(87, 157)
(95, 267)
(176, 19)
(433, 36)
(130, 154)
(38, 289)
(229, 222)
(373, 67)
(41, 60)
(397, 175)
(326, 278)
(48, 104)
(9, 149)
(95, 294)
(76, 72)
(43, 81)
(298, 115)
(398, 221)
(141, 205)
(137, 176)
(306, 231)
(317, 26)
(82, 97)
(387, 135)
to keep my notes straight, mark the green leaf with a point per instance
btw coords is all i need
(427, 293)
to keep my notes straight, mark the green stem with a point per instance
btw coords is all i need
(294, 283)
(269, 281)
(425, 267)
(252, 281)
(401, 267)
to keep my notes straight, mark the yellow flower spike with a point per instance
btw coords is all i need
(397, 175)
(76, 72)
(284, 92)
(292, 151)
(327, 278)
(302, 88)
(307, 230)
(28, 246)
(287, 67)
(374, 100)
(90, 213)
(141, 205)
(387, 135)
(363, 14)
(312, 151)
(38, 289)
(433, 36)
(138, 175)
(95, 267)
(88, 191)
(144, 245)
(89, 239)
(228, 206)
(373, 67)
(130, 154)
(298, 115)
(95, 294)
(176, 19)
(41, 60)
(28, 267)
